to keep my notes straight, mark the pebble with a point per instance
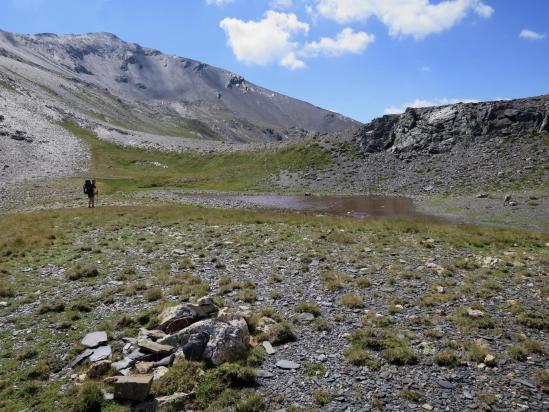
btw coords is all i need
(286, 364)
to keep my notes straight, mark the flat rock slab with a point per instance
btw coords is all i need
(268, 347)
(286, 364)
(123, 364)
(80, 358)
(94, 339)
(445, 384)
(156, 348)
(305, 317)
(260, 373)
(132, 388)
(100, 353)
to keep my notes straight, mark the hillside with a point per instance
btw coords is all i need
(143, 89)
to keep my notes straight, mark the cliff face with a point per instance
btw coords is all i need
(440, 129)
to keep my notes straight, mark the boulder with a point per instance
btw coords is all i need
(100, 353)
(98, 369)
(181, 337)
(94, 339)
(123, 364)
(175, 318)
(230, 342)
(154, 347)
(159, 372)
(195, 346)
(132, 388)
(144, 367)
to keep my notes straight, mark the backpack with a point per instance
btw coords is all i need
(87, 187)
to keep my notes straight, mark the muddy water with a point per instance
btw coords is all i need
(357, 206)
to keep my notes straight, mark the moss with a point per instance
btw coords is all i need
(88, 398)
(280, 333)
(51, 307)
(534, 319)
(79, 272)
(351, 301)
(322, 397)
(411, 395)
(541, 378)
(361, 357)
(181, 377)
(446, 358)
(313, 369)
(303, 307)
(152, 295)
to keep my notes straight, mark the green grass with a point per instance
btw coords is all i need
(116, 169)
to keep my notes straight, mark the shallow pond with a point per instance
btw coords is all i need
(357, 206)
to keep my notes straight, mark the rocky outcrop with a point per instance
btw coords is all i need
(440, 129)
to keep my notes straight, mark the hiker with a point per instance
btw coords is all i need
(90, 189)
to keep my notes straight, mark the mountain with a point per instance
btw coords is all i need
(142, 89)
(440, 129)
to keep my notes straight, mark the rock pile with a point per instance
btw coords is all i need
(439, 129)
(188, 331)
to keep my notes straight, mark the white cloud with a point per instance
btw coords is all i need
(219, 2)
(531, 35)
(346, 42)
(266, 41)
(282, 4)
(425, 69)
(417, 18)
(427, 103)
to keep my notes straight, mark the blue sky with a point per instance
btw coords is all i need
(362, 58)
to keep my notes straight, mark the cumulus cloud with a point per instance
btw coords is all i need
(267, 41)
(531, 35)
(346, 42)
(417, 18)
(427, 103)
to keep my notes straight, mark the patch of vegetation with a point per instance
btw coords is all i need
(306, 307)
(322, 397)
(446, 358)
(313, 369)
(280, 333)
(121, 168)
(86, 398)
(395, 350)
(79, 272)
(351, 301)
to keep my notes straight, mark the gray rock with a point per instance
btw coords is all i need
(94, 339)
(154, 347)
(268, 347)
(132, 388)
(100, 353)
(195, 346)
(445, 384)
(230, 342)
(286, 364)
(80, 358)
(305, 317)
(260, 373)
(176, 318)
(123, 364)
(438, 129)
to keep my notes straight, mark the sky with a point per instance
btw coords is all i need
(361, 58)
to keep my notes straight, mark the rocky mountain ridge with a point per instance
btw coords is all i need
(440, 129)
(145, 90)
